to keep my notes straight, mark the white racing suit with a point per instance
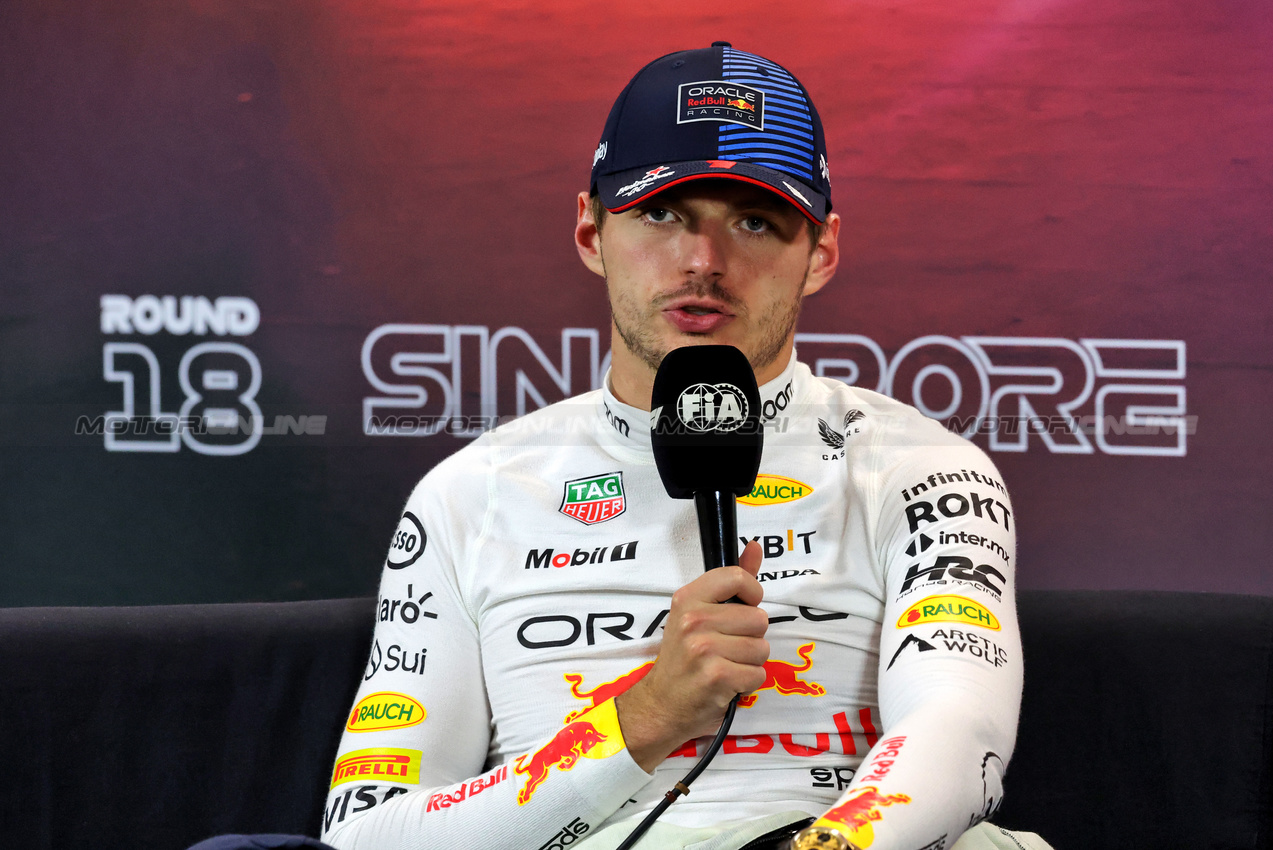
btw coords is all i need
(528, 581)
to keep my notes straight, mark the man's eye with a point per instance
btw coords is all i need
(658, 215)
(755, 224)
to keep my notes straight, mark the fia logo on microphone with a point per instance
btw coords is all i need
(712, 407)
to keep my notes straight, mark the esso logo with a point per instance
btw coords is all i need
(408, 543)
(712, 407)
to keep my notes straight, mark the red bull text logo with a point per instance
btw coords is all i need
(385, 763)
(882, 761)
(948, 608)
(596, 737)
(855, 815)
(384, 710)
(604, 691)
(466, 790)
(781, 676)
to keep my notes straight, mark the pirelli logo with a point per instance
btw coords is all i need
(387, 764)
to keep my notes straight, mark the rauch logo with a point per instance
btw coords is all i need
(947, 608)
(593, 500)
(384, 710)
(774, 490)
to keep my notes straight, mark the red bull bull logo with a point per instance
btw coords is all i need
(741, 104)
(855, 815)
(597, 737)
(781, 676)
(604, 691)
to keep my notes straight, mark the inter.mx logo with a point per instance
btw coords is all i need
(593, 500)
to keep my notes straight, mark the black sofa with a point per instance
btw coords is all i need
(1146, 721)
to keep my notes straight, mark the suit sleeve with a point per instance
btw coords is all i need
(950, 655)
(411, 770)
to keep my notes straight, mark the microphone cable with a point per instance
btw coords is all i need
(683, 787)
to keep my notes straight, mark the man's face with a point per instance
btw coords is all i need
(709, 262)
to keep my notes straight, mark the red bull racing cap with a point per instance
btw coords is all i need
(713, 112)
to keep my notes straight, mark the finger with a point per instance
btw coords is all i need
(718, 585)
(748, 651)
(734, 584)
(732, 663)
(750, 558)
(743, 620)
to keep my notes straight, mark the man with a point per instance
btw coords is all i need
(549, 657)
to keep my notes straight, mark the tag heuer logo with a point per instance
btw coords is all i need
(596, 499)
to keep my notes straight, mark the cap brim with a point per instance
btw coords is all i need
(625, 189)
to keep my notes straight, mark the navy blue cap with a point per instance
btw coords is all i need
(713, 112)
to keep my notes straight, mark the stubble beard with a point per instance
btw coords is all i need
(644, 343)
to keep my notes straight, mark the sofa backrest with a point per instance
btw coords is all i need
(156, 727)
(1146, 720)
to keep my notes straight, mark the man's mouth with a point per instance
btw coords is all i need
(694, 316)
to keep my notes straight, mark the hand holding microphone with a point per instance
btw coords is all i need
(711, 652)
(707, 440)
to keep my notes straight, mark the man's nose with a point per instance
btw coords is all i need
(703, 253)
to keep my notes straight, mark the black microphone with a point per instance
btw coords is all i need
(706, 434)
(707, 438)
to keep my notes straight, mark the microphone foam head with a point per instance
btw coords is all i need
(705, 421)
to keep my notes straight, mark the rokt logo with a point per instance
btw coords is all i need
(538, 559)
(775, 490)
(712, 407)
(947, 608)
(952, 505)
(385, 710)
(595, 499)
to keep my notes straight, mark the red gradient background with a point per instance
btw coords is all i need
(1034, 169)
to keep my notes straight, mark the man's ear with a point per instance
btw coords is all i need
(588, 236)
(825, 257)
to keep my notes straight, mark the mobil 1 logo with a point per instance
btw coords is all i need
(408, 542)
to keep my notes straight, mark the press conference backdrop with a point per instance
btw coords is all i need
(341, 230)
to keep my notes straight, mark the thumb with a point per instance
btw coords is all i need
(750, 558)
